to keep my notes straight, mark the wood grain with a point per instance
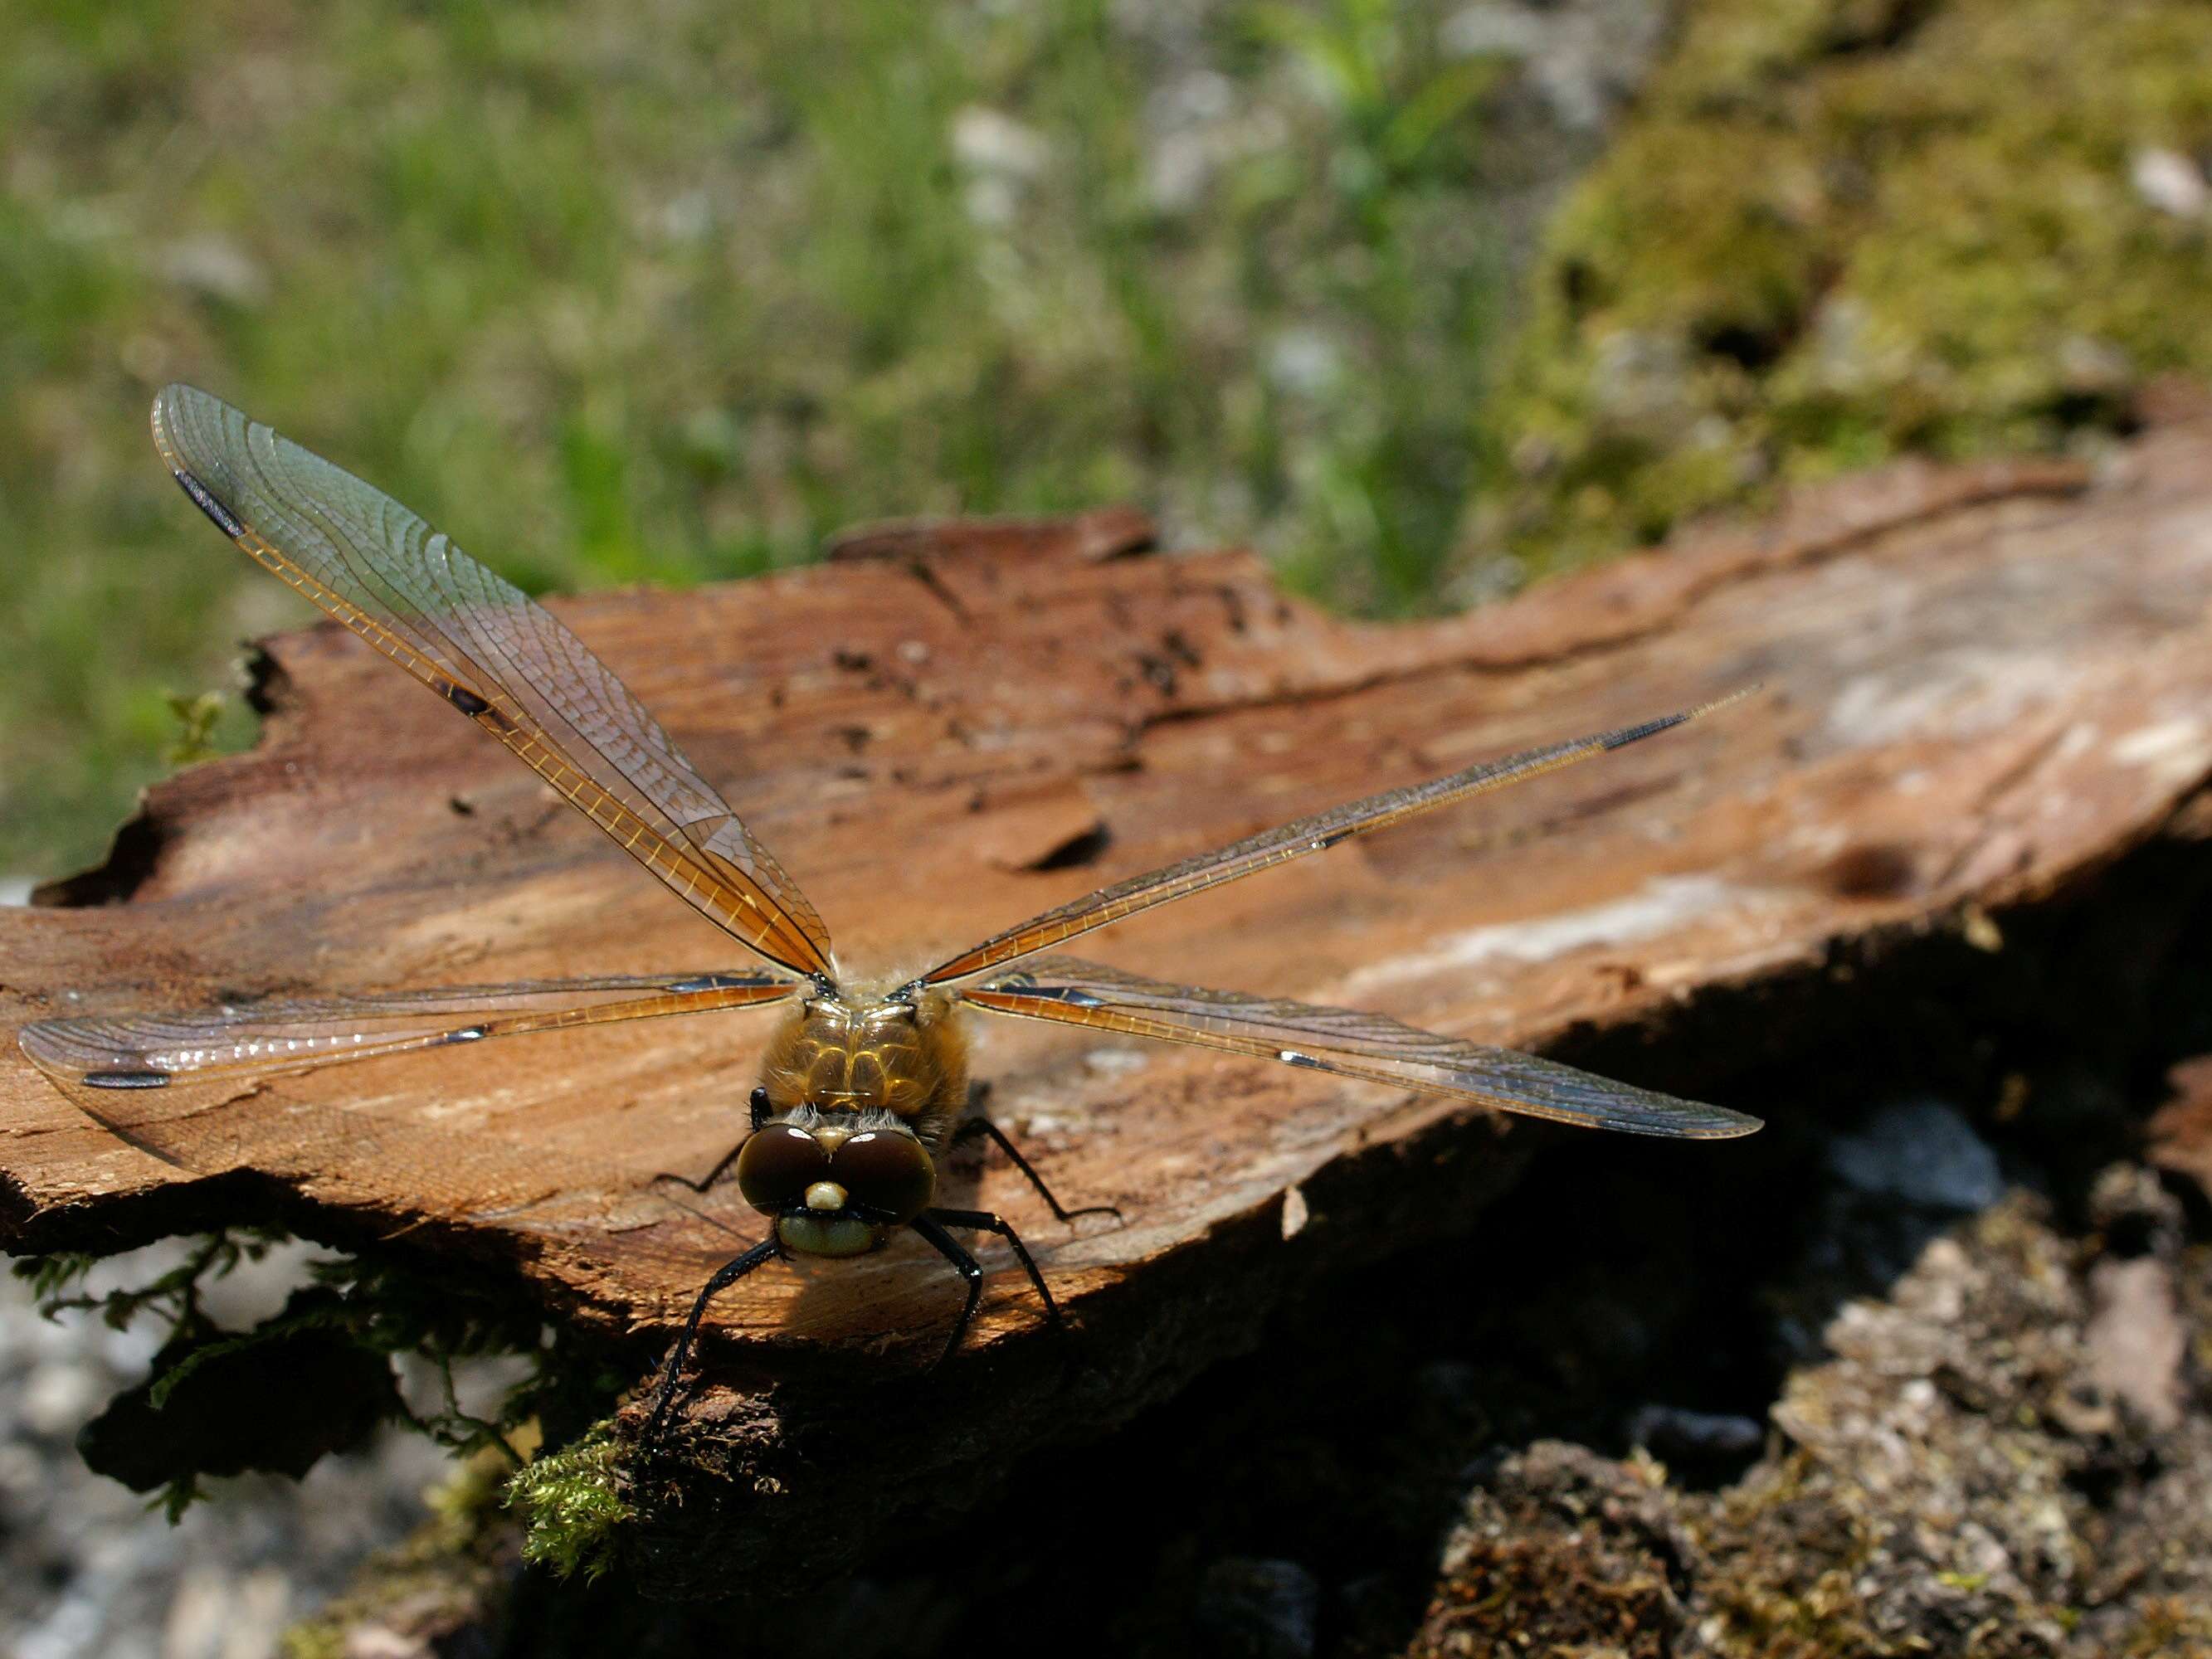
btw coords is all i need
(1980, 685)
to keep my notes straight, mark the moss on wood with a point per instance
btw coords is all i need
(1840, 230)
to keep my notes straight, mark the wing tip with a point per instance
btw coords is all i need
(58, 1051)
(1719, 1123)
(37, 1042)
(162, 419)
(171, 404)
(170, 401)
(1728, 699)
(1624, 736)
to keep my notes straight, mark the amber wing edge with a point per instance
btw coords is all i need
(1298, 839)
(765, 911)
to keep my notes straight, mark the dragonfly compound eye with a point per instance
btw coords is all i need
(776, 1166)
(888, 1171)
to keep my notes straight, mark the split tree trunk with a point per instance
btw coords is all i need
(1981, 684)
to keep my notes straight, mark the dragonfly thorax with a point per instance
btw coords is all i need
(837, 1055)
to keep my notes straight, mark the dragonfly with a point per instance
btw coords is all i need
(864, 1085)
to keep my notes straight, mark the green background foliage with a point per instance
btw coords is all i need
(667, 293)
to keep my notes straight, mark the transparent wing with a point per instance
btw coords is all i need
(110, 1056)
(1310, 834)
(184, 1087)
(1344, 1042)
(481, 644)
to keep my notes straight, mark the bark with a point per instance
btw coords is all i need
(1982, 685)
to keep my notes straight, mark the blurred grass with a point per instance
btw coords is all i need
(664, 293)
(648, 292)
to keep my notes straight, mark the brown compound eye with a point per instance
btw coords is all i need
(887, 1171)
(777, 1164)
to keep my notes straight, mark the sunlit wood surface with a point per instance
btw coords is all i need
(1978, 683)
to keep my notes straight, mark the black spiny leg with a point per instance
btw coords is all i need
(931, 1224)
(724, 1276)
(762, 1112)
(971, 1127)
(970, 1269)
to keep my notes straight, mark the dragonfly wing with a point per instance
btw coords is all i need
(184, 1086)
(497, 656)
(136, 1054)
(1346, 1043)
(1316, 834)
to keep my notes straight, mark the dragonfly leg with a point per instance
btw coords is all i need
(931, 1224)
(760, 1113)
(970, 1127)
(724, 1276)
(971, 1270)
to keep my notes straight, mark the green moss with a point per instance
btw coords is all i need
(1841, 230)
(572, 1505)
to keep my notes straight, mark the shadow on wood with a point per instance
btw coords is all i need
(1981, 683)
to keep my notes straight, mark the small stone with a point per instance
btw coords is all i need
(1673, 1432)
(2136, 1339)
(59, 1395)
(217, 267)
(1255, 1609)
(2093, 367)
(1923, 1152)
(1303, 361)
(987, 140)
(2171, 182)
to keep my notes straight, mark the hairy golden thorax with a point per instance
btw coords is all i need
(908, 1058)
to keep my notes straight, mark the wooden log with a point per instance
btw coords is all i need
(1981, 683)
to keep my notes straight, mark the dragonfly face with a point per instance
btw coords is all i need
(860, 1092)
(836, 1188)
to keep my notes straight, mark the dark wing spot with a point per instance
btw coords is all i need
(1067, 993)
(126, 1079)
(466, 1034)
(1292, 1057)
(205, 498)
(1622, 738)
(474, 706)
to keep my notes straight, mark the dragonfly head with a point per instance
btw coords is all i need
(836, 1187)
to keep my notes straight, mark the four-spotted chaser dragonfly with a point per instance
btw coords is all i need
(864, 1085)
